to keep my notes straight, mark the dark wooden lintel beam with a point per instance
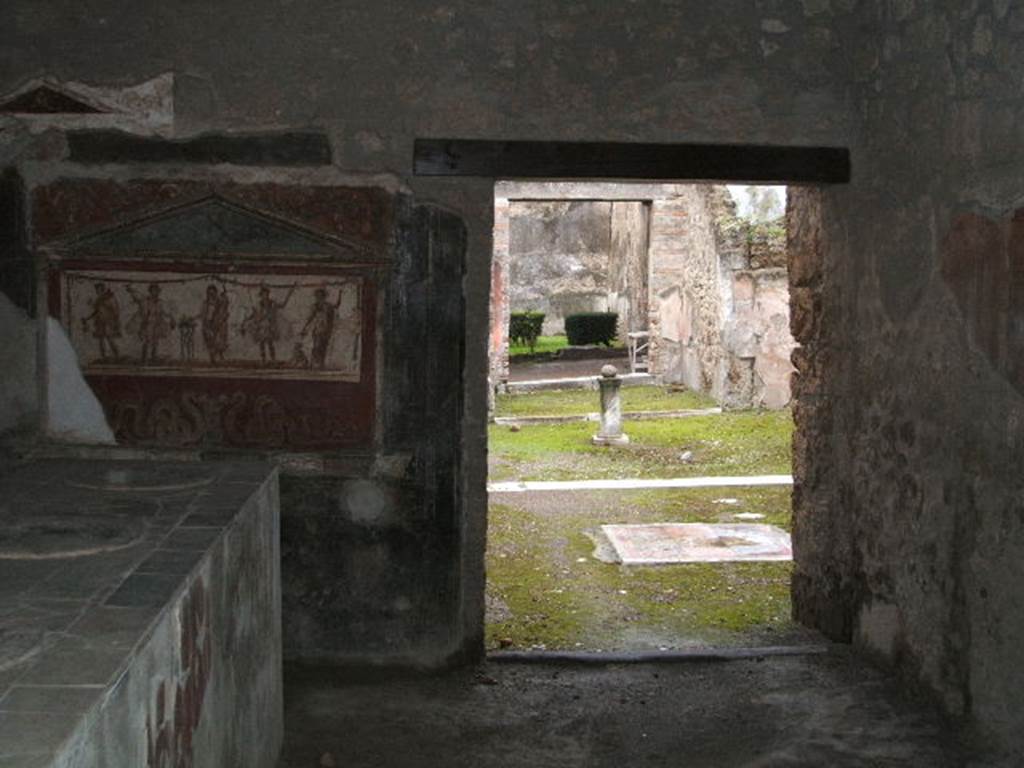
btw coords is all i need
(612, 160)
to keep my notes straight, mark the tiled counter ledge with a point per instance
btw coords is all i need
(139, 615)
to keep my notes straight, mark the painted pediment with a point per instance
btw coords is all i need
(214, 226)
(46, 99)
(45, 103)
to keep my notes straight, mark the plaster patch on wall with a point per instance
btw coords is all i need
(815, 7)
(983, 267)
(675, 311)
(879, 627)
(560, 257)
(73, 412)
(366, 503)
(774, 26)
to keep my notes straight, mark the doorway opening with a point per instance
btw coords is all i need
(672, 531)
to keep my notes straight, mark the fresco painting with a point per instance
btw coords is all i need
(234, 316)
(219, 325)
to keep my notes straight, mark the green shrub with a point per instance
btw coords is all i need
(524, 327)
(591, 328)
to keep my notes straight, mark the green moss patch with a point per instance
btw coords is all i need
(737, 443)
(553, 593)
(544, 345)
(546, 588)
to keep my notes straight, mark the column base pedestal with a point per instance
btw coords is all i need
(610, 440)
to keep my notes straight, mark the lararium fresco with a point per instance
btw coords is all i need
(200, 321)
(237, 326)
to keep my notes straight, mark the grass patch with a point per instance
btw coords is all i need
(713, 505)
(554, 594)
(548, 345)
(545, 588)
(544, 344)
(735, 443)
(575, 402)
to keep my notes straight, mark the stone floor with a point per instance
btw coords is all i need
(827, 710)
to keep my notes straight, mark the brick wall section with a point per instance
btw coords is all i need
(500, 304)
(684, 256)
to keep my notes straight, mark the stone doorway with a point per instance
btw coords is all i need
(557, 581)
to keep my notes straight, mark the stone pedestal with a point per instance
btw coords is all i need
(610, 432)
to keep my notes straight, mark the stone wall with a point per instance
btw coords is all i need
(719, 300)
(571, 256)
(689, 300)
(559, 258)
(912, 543)
(630, 266)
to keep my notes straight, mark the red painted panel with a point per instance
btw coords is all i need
(983, 266)
(74, 206)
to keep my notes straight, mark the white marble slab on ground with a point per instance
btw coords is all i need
(519, 486)
(668, 543)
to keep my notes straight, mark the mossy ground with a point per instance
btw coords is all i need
(735, 443)
(547, 589)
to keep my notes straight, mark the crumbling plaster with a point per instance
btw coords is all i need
(690, 292)
(909, 482)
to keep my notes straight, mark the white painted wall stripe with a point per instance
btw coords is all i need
(727, 481)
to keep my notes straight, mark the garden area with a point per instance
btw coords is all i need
(542, 345)
(551, 581)
(590, 329)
